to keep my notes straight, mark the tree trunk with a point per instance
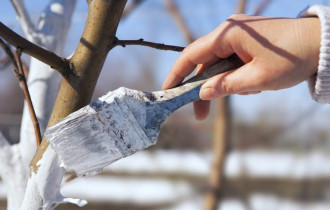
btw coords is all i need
(220, 150)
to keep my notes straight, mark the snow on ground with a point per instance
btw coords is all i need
(139, 190)
(164, 161)
(257, 163)
(279, 164)
(107, 189)
(271, 202)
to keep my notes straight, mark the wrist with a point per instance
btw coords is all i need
(309, 35)
(319, 83)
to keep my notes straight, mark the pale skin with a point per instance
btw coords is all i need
(278, 53)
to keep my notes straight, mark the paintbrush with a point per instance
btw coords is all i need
(122, 122)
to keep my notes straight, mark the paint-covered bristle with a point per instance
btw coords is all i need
(98, 134)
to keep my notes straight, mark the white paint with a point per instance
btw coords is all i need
(44, 186)
(57, 8)
(25, 20)
(42, 190)
(107, 131)
(12, 172)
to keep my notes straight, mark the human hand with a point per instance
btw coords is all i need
(278, 53)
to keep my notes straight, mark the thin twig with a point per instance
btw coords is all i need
(172, 8)
(261, 7)
(24, 18)
(27, 96)
(46, 56)
(141, 42)
(10, 56)
(8, 52)
(25, 70)
(241, 6)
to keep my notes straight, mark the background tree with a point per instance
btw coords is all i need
(80, 73)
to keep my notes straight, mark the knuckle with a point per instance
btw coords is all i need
(224, 87)
(186, 50)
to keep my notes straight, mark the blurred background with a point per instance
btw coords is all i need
(258, 152)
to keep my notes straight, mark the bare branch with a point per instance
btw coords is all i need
(8, 52)
(46, 56)
(11, 58)
(23, 16)
(261, 7)
(27, 96)
(179, 19)
(141, 42)
(241, 6)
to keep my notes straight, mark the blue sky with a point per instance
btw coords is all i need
(152, 22)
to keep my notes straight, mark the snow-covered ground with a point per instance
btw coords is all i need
(256, 163)
(181, 193)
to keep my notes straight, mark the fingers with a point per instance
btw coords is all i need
(201, 109)
(201, 67)
(240, 80)
(196, 53)
(199, 52)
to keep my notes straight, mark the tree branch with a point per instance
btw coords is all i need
(172, 8)
(261, 7)
(9, 53)
(21, 78)
(241, 6)
(46, 56)
(11, 58)
(24, 18)
(141, 42)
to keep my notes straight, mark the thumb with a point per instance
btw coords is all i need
(243, 79)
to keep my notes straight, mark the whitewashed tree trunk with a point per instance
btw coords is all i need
(43, 83)
(13, 173)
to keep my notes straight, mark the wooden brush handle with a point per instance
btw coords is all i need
(224, 65)
(188, 91)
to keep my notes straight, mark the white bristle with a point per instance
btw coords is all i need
(97, 135)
